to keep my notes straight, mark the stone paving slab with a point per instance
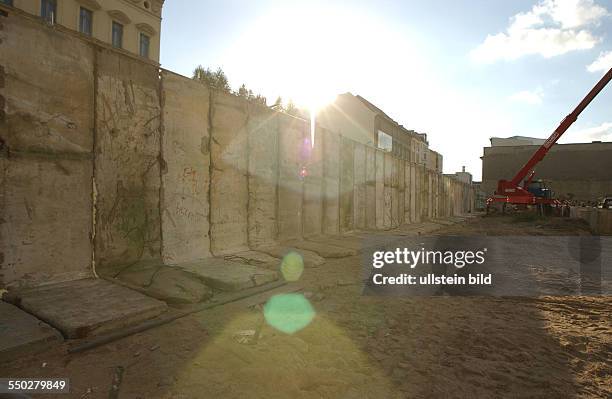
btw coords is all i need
(225, 275)
(87, 307)
(22, 334)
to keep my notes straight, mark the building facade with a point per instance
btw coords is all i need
(580, 172)
(131, 25)
(357, 118)
(515, 140)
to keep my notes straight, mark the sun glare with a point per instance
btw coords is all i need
(309, 54)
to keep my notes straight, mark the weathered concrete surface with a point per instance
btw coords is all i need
(401, 192)
(169, 284)
(414, 194)
(380, 190)
(323, 249)
(127, 157)
(313, 186)
(395, 209)
(292, 156)
(224, 275)
(229, 185)
(254, 258)
(158, 170)
(45, 221)
(407, 193)
(22, 334)
(359, 189)
(45, 154)
(48, 94)
(185, 177)
(87, 307)
(370, 205)
(331, 176)
(347, 200)
(280, 251)
(599, 220)
(263, 175)
(388, 191)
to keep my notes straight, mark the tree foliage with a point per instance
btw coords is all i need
(248, 94)
(291, 109)
(215, 80)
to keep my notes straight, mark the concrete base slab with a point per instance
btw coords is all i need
(87, 307)
(279, 251)
(170, 284)
(324, 250)
(22, 334)
(254, 258)
(225, 275)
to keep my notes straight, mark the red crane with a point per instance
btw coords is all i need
(511, 192)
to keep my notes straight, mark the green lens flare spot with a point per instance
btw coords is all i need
(288, 313)
(292, 266)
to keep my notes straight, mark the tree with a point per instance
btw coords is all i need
(249, 95)
(291, 109)
(261, 100)
(215, 80)
(243, 91)
(278, 104)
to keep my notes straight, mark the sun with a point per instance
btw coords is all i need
(302, 53)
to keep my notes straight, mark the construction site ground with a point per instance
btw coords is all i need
(362, 347)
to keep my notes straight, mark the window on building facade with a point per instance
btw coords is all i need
(85, 21)
(385, 141)
(117, 35)
(48, 10)
(145, 42)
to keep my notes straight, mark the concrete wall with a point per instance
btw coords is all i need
(331, 182)
(186, 169)
(263, 144)
(599, 220)
(229, 163)
(46, 142)
(579, 171)
(127, 160)
(130, 164)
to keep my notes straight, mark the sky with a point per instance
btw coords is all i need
(460, 71)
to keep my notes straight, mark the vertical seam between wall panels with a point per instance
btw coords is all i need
(248, 175)
(162, 162)
(323, 184)
(94, 189)
(211, 113)
(303, 164)
(339, 173)
(278, 179)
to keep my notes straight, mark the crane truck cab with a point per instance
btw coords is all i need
(605, 203)
(540, 189)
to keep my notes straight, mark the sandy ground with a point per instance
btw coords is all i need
(363, 347)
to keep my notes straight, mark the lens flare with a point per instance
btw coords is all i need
(288, 313)
(292, 266)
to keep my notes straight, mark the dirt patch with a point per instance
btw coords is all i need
(363, 347)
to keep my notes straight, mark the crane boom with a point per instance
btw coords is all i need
(513, 192)
(562, 128)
